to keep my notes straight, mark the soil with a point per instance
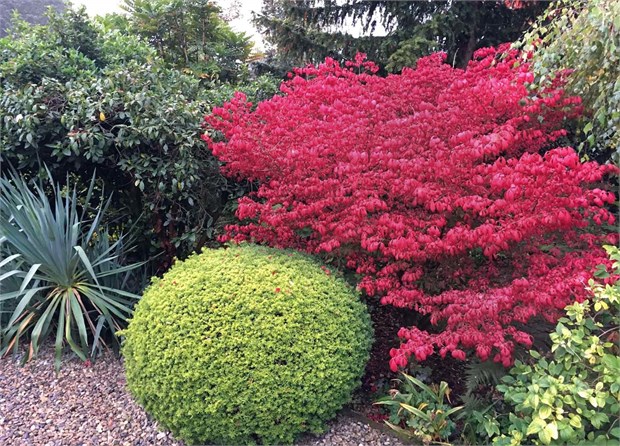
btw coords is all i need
(378, 377)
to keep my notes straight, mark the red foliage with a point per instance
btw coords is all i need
(431, 186)
(519, 4)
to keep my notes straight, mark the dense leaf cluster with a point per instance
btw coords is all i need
(423, 410)
(434, 186)
(246, 344)
(80, 97)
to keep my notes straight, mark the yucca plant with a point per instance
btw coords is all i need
(9, 284)
(61, 270)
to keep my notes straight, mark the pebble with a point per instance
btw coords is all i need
(91, 406)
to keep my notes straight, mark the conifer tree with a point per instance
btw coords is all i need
(307, 31)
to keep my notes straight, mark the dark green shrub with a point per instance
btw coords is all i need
(79, 97)
(117, 110)
(246, 345)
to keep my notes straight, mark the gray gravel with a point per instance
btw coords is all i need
(347, 430)
(89, 405)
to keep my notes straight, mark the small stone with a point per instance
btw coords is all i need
(59, 408)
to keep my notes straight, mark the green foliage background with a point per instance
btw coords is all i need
(584, 36)
(79, 96)
(190, 35)
(307, 31)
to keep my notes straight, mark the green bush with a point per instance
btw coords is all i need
(79, 97)
(246, 345)
(572, 397)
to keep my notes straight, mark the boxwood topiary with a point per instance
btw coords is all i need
(246, 345)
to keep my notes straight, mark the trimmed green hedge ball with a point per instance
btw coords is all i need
(246, 345)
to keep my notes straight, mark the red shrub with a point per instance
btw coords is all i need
(431, 186)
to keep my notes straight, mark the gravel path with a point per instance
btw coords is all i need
(90, 406)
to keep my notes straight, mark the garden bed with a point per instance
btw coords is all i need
(89, 405)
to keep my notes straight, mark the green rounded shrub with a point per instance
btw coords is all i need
(246, 345)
